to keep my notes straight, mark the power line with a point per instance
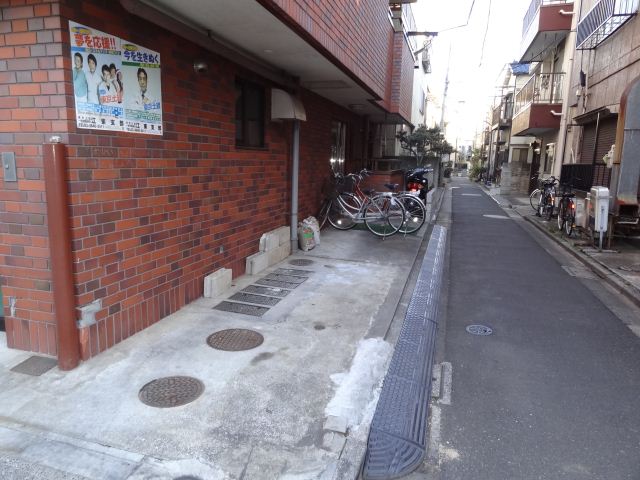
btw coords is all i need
(464, 24)
(485, 35)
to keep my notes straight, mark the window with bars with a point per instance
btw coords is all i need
(250, 114)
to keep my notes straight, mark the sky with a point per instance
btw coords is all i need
(475, 62)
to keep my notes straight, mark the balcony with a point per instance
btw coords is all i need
(538, 105)
(501, 115)
(602, 21)
(546, 23)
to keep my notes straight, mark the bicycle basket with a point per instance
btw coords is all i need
(345, 185)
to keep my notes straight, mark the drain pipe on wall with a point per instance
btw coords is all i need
(55, 180)
(295, 171)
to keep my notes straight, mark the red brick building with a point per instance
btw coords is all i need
(151, 214)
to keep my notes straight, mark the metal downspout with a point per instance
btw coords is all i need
(295, 169)
(55, 166)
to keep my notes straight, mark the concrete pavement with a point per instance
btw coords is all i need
(277, 411)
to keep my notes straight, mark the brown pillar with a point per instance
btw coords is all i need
(55, 166)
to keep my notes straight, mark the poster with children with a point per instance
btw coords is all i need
(142, 93)
(95, 57)
(116, 83)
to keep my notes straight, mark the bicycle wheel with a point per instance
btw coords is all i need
(383, 215)
(415, 213)
(323, 214)
(561, 214)
(534, 199)
(548, 207)
(569, 220)
(343, 210)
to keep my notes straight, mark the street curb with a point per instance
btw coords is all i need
(607, 274)
(350, 462)
(604, 272)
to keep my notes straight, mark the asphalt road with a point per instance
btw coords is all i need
(554, 392)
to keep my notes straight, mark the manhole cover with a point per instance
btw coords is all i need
(235, 340)
(276, 283)
(294, 271)
(251, 298)
(242, 308)
(171, 391)
(630, 268)
(270, 291)
(479, 330)
(301, 262)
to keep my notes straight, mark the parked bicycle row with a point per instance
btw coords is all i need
(383, 213)
(551, 198)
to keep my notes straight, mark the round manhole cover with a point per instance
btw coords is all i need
(235, 339)
(479, 330)
(301, 262)
(171, 391)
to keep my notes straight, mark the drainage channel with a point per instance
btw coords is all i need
(256, 300)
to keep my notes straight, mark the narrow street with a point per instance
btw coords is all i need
(553, 392)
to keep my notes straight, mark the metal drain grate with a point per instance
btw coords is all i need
(235, 340)
(285, 278)
(294, 271)
(251, 298)
(270, 291)
(242, 308)
(35, 366)
(482, 330)
(301, 262)
(275, 283)
(170, 392)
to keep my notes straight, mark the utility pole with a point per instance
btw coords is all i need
(444, 96)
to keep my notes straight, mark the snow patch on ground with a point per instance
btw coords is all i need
(358, 389)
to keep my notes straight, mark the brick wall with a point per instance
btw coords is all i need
(402, 77)
(151, 216)
(357, 34)
(32, 107)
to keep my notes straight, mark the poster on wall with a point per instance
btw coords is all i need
(116, 83)
(95, 57)
(142, 94)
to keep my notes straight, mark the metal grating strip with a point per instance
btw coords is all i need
(242, 308)
(294, 271)
(397, 438)
(251, 298)
(271, 291)
(285, 278)
(275, 283)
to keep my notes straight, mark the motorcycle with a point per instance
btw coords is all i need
(416, 182)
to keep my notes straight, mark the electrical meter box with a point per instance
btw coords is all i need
(599, 208)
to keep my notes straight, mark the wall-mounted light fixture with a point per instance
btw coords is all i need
(200, 66)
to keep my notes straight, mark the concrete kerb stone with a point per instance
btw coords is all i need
(217, 282)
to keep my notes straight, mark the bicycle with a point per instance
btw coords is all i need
(542, 195)
(567, 208)
(382, 213)
(415, 210)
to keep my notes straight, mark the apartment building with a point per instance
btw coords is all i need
(168, 136)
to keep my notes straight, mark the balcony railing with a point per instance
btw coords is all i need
(533, 10)
(602, 21)
(583, 176)
(541, 88)
(502, 114)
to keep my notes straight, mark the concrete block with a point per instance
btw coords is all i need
(257, 263)
(335, 423)
(272, 241)
(279, 254)
(334, 442)
(284, 235)
(217, 282)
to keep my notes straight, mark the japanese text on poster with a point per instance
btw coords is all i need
(116, 83)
